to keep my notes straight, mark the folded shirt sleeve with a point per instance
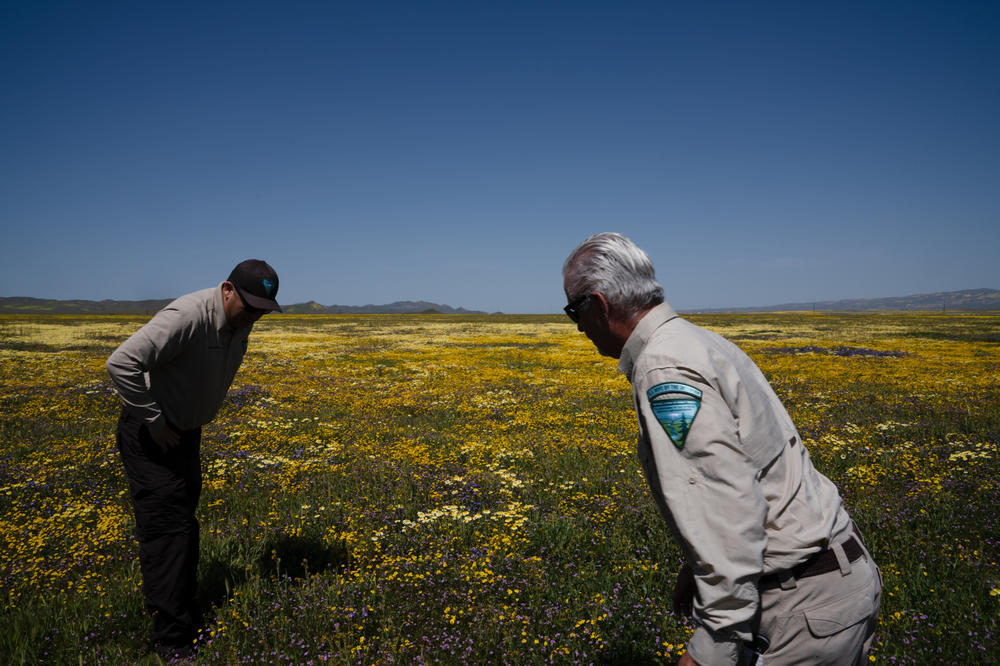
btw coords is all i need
(155, 344)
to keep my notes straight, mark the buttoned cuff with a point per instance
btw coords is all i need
(156, 422)
(709, 649)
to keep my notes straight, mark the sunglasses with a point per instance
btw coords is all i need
(572, 310)
(249, 309)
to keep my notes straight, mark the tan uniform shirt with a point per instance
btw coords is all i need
(180, 364)
(728, 472)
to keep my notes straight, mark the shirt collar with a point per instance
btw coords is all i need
(636, 342)
(219, 311)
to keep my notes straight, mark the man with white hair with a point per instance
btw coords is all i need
(771, 556)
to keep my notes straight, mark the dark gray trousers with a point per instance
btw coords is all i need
(165, 488)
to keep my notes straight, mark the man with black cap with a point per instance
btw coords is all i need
(173, 375)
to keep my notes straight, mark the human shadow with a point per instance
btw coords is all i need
(218, 578)
(298, 556)
(625, 653)
(280, 556)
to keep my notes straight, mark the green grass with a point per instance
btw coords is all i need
(452, 489)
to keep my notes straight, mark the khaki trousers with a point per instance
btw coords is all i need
(824, 619)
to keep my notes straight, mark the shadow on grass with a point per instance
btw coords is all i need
(217, 578)
(297, 557)
(622, 654)
(280, 556)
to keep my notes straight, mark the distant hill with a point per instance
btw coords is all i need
(25, 305)
(399, 307)
(969, 299)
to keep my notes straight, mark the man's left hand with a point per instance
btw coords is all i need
(684, 589)
(165, 436)
(687, 660)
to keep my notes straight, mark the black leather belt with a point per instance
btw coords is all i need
(822, 562)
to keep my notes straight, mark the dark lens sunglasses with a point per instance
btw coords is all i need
(249, 309)
(572, 310)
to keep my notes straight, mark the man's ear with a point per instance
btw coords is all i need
(228, 292)
(604, 305)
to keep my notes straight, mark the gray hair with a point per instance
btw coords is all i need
(615, 266)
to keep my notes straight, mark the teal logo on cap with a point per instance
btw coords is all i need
(268, 286)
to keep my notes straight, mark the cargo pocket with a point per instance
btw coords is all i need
(832, 618)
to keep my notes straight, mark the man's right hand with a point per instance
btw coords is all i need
(164, 436)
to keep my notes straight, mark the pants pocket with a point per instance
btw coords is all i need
(839, 615)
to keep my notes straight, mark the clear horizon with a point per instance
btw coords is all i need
(386, 151)
(476, 309)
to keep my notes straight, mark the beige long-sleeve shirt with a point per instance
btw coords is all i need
(728, 471)
(180, 364)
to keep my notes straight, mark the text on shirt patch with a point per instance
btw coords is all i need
(675, 405)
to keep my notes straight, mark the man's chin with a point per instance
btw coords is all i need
(603, 350)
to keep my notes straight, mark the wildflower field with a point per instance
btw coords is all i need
(464, 490)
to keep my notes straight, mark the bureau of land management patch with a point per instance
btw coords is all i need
(675, 405)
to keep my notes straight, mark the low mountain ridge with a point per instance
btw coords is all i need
(946, 301)
(398, 307)
(967, 299)
(28, 305)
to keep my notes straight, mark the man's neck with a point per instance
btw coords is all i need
(622, 329)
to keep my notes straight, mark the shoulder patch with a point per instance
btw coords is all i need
(675, 405)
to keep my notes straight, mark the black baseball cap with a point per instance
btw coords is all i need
(257, 284)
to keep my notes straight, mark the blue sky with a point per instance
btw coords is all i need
(456, 152)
